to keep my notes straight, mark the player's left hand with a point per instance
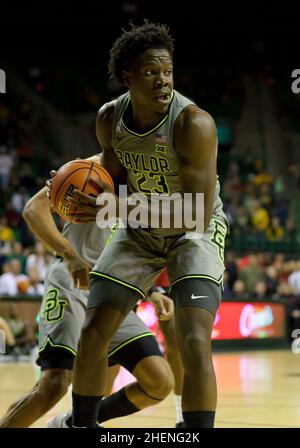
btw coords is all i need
(88, 204)
(49, 182)
(164, 306)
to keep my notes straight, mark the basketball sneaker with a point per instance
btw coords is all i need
(60, 421)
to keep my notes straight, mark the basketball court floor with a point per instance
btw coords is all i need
(257, 389)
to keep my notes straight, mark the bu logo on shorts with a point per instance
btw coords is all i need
(219, 236)
(54, 308)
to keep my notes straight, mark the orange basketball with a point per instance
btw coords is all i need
(75, 175)
(23, 286)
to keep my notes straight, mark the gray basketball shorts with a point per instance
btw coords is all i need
(133, 259)
(62, 315)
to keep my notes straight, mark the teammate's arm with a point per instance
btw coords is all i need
(38, 216)
(109, 160)
(195, 140)
(164, 306)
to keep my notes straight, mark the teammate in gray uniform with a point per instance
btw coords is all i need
(161, 142)
(62, 315)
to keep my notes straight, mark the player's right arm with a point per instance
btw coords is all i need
(37, 214)
(104, 129)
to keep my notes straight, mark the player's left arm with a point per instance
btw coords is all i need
(195, 141)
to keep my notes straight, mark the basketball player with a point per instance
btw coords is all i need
(62, 315)
(172, 350)
(163, 142)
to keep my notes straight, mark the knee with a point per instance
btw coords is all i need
(160, 382)
(55, 384)
(196, 351)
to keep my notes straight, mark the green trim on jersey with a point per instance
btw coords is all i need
(115, 350)
(108, 277)
(151, 130)
(52, 344)
(73, 352)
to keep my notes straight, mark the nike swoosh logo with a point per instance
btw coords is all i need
(199, 297)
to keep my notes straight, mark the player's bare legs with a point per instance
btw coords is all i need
(90, 368)
(174, 359)
(111, 376)
(194, 326)
(154, 383)
(51, 387)
(172, 353)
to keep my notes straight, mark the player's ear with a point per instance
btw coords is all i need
(126, 78)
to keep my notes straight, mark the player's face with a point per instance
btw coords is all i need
(151, 80)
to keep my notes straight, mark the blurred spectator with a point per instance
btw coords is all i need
(274, 232)
(36, 287)
(22, 330)
(284, 290)
(278, 263)
(294, 282)
(17, 254)
(231, 269)
(6, 233)
(13, 218)
(242, 219)
(271, 280)
(6, 164)
(290, 229)
(26, 177)
(227, 293)
(279, 185)
(243, 262)
(5, 267)
(260, 291)
(38, 260)
(252, 274)
(265, 196)
(19, 199)
(239, 290)
(259, 217)
(13, 282)
(251, 202)
(262, 176)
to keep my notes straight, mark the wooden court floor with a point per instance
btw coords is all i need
(256, 389)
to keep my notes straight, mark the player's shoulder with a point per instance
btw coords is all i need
(106, 112)
(193, 117)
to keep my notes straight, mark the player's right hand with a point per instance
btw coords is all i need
(79, 269)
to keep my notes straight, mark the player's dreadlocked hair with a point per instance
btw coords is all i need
(135, 41)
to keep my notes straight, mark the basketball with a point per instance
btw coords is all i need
(23, 286)
(75, 175)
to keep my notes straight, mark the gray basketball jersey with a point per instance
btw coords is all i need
(87, 239)
(150, 158)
